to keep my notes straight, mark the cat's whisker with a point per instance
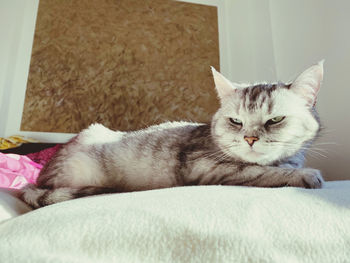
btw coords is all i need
(324, 130)
(318, 153)
(311, 150)
(318, 148)
(326, 143)
(213, 155)
(224, 157)
(311, 155)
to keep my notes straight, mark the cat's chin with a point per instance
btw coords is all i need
(253, 156)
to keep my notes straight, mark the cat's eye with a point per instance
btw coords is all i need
(275, 120)
(236, 121)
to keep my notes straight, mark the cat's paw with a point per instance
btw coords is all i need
(307, 178)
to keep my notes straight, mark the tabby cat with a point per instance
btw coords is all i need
(258, 137)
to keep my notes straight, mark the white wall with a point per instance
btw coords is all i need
(10, 19)
(17, 22)
(278, 39)
(250, 41)
(303, 33)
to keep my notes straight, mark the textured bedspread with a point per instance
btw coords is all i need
(187, 224)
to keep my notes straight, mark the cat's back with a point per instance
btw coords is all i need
(98, 134)
(158, 140)
(139, 158)
(147, 147)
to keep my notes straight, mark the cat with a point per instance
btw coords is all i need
(258, 137)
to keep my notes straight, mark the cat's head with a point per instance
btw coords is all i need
(264, 123)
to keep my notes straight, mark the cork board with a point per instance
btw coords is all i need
(124, 63)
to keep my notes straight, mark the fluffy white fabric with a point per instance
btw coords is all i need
(10, 205)
(187, 224)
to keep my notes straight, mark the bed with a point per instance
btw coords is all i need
(184, 224)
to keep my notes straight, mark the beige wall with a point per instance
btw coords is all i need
(127, 64)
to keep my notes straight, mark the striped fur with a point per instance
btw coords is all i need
(99, 160)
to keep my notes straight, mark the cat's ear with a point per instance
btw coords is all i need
(308, 83)
(223, 86)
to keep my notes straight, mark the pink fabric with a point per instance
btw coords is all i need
(16, 171)
(44, 156)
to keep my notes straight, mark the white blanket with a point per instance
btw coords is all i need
(187, 224)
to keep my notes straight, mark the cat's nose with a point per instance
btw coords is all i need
(251, 139)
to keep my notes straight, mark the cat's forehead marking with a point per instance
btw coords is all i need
(254, 97)
(257, 96)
